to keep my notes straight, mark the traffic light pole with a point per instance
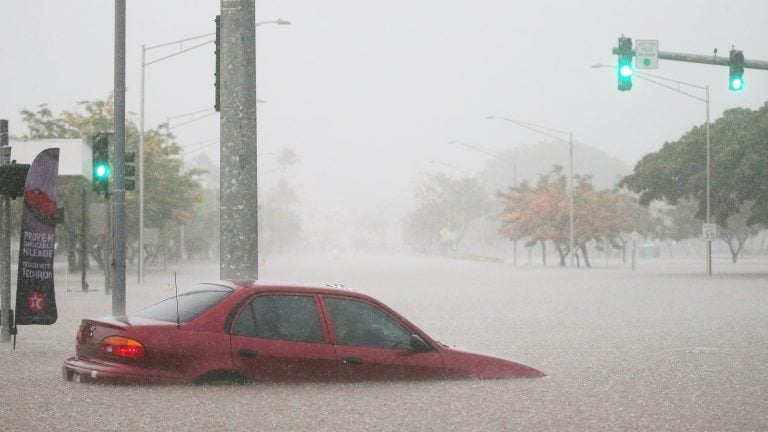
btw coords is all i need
(652, 79)
(735, 61)
(705, 59)
(118, 201)
(5, 243)
(709, 164)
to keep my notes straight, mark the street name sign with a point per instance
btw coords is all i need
(646, 54)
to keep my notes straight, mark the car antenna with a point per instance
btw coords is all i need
(178, 319)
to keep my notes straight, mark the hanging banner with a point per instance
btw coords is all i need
(35, 299)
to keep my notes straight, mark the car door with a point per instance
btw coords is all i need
(280, 337)
(371, 344)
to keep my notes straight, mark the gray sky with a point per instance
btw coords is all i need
(367, 93)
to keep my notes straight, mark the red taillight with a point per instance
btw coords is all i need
(122, 347)
(79, 337)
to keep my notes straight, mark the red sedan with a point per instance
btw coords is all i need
(246, 331)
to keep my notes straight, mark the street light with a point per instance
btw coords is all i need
(495, 154)
(547, 131)
(278, 21)
(144, 65)
(652, 79)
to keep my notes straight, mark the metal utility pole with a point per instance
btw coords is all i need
(141, 169)
(239, 218)
(118, 193)
(83, 237)
(709, 163)
(570, 197)
(654, 80)
(5, 242)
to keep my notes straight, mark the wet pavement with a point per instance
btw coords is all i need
(661, 348)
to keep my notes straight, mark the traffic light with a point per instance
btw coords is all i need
(12, 179)
(736, 66)
(625, 70)
(130, 171)
(100, 161)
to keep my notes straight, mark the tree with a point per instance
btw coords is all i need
(538, 213)
(43, 125)
(541, 213)
(629, 217)
(170, 195)
(445, 204)
(739, 167)
(736, 230)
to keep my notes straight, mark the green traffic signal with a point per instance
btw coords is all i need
(625, 70)
(100, 161)
(736, 70)
(102, 171)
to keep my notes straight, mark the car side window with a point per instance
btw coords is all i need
(285, 317)
(361, 324)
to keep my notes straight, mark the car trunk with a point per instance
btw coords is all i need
(92, 331)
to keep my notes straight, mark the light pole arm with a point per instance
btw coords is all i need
(477, 148)
(534, 127)
(278, 21)
(645, 77)
(177, 53)
(180, 41)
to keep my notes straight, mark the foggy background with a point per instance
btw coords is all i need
(368, 93)
(374, 98)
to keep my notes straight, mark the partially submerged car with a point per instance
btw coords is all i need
(251, 331)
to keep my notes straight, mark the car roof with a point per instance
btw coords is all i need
(261, 285)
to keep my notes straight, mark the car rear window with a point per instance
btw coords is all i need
(190, 304)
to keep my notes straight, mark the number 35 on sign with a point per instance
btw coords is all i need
(709, 231)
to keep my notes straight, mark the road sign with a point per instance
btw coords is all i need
(709, 231)
(646, 54)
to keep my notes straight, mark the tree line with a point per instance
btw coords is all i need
(664, 198)
(174, 196)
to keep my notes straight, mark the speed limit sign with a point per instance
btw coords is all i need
(709, 231)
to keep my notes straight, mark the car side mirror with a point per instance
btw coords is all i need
(418, 344)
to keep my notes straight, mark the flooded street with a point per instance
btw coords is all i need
(661, 348)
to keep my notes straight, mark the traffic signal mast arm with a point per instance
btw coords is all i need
(722, 61)
(704, 59)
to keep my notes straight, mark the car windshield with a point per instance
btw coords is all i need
(190, 304)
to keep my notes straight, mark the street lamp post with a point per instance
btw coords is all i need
(144, 64)
(495, 154)
(652, 79)
(547, 131)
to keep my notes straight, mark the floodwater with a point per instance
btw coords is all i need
(661, 348)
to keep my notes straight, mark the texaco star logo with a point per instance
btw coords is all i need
(36, 301)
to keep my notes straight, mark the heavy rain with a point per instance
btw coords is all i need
(577, 187)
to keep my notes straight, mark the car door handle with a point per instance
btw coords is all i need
(352, 361)
(247, 353)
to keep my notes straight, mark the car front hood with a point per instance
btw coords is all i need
(468, 364)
